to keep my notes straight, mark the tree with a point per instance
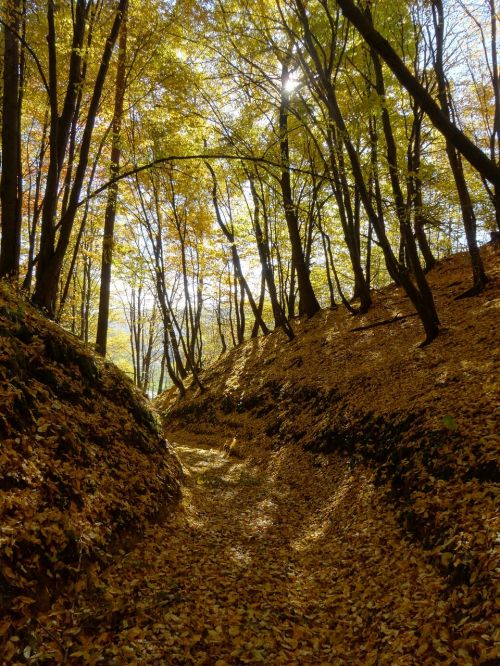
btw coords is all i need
(110, 215)
(10, 192)
(479, 160)
(271, 159)
(55, 237)
(228, 232)
(469, 219)
(308, 303)
(420, 295)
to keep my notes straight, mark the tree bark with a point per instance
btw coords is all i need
(308, 303)
(415, 198)
(477, 158)
(402, 211)
(244, 288)
(10, 195)
(265, 262)
(468, 216)
(428, 319)
(51, 253)
(110, 214)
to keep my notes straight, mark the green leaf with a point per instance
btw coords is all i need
(450, 422)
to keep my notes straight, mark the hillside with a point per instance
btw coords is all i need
(83, 466)
(339, 495)
(360, 392)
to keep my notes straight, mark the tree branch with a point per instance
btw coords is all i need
(173, 158)
(31, 52)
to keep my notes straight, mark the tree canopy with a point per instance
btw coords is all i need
(179, 176)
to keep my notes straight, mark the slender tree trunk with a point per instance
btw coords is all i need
(170, 368)
(239, 306)
(195, 346)
(244, 288)
(37, 207)
(402, 211)
(308, 303)
(495, 81)
(265, 262)
(343, 298)
(291, 297)
(331, 290)
(218, 315)
(415, 189)
(260, 306)
(230, 308)
(469, 219)
(368, 264)
(110, 214)
(162, 374)
(10, 195)
(168, 324)
(347, 215)
(51, 253)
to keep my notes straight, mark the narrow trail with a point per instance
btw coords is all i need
(298, 564)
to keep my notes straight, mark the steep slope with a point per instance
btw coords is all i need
(360, 389)
(83, 464)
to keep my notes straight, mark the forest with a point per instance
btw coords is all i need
(166, 198)
(249, 291)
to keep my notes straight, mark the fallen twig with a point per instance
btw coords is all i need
(383, 322)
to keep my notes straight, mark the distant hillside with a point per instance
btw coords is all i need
(426, 419)
(83, 463)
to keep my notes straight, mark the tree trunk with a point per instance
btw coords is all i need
(265, 262)
(415, 189)
(325, 241)
(469, 219)
(110, 214)
(308, 303)
(10, 195)
(479, 160)
(51, 254)
(37, 207)
(244, 288)
(429, 322)
(402, 211)
(347, 213)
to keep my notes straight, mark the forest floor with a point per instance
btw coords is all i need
(339, 506)
(403, 473)
(261, 565)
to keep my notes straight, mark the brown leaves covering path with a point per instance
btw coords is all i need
(299, 561)
(426, 421)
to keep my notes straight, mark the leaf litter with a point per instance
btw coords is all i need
(339, 507)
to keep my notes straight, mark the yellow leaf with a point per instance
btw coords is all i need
(80, 585)
(135, 632)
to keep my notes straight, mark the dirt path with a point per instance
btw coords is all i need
(255, 569)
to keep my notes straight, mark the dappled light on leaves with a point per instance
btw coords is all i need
(384, 540)
(283, 221)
